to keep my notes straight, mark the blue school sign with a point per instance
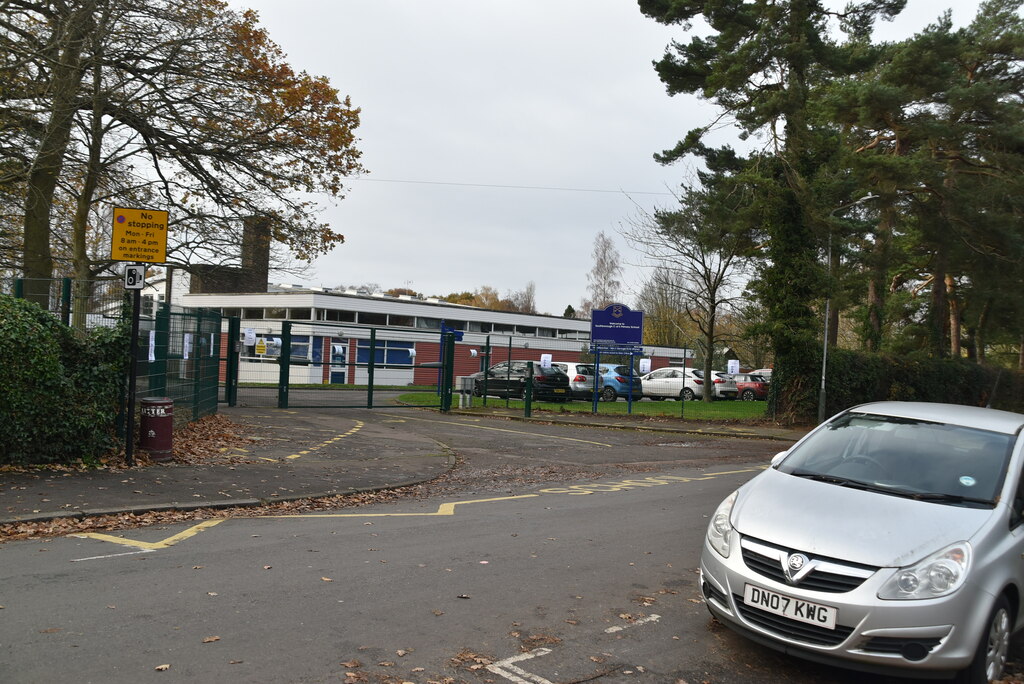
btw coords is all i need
(617, 325)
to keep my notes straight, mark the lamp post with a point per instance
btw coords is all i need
(828, 304)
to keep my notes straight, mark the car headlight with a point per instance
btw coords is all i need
(940, 574)
(720, 529)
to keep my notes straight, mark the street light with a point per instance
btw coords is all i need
(828, 303)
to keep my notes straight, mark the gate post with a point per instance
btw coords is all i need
(284, 359)
(447, 372)
(161, 347)
(369, 369)
(232, 354)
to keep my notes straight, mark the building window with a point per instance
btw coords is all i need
(276, 312)
(503, 328)
(545, 332)
(455, 325)
(337, 315)
(300, 314)
(475, 326)
(372, 318)
(526, 330)
(228, 313)
(386, 352)
(428, 323)
(256, 314)
(401, 321)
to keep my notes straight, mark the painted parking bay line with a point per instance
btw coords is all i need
(514, 432)
(152, 546)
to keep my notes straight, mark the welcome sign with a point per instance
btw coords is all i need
(617, 324)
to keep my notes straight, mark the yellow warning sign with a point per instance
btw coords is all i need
(139, 235)
(261, 346)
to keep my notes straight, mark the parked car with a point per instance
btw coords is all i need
(751, 386)
(888, 539)
(765, 373)
(725, 385)
(615, 382)
(581, 378)
(508, 379)
(671, 383)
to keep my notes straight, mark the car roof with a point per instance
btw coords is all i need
(967, 416)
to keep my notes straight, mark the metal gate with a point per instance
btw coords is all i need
(304, 364)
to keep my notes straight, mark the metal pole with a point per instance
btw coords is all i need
(824, 348)
(133, 369)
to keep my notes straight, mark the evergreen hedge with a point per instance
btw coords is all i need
(855, 377)
(60, 390)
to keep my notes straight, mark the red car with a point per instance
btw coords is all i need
(751, 387)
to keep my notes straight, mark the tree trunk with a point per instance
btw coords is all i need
(878, 281)
(979, 333)
(954, 317)
(938, 314)
(69, 36)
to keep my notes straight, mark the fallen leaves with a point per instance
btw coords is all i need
(161, 668)
(211, 639)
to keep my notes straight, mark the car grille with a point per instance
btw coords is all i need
(792, 629)
(830, 576)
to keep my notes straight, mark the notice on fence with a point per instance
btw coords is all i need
(139, 235)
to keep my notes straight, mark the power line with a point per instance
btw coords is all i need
(510, 187)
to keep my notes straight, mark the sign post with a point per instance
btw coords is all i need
(138, 235)
(616, 329)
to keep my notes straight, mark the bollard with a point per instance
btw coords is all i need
(156, 428)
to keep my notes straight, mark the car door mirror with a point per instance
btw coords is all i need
(778, 458)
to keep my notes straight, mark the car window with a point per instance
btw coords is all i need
(564, 367)
(907, 457)
(584, 370)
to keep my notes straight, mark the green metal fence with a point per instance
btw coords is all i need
(305, 364)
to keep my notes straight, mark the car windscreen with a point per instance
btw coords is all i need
(905, 457)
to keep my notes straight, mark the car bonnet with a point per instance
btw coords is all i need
(849, 524)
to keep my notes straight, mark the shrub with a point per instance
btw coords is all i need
(60, 391)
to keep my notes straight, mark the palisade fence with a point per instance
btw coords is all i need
(178, 350)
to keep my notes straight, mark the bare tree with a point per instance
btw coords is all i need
(603, 280)
(697, 261)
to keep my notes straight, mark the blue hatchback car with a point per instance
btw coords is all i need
(615, 382)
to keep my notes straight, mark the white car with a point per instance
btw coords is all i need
(672, 383)
(889, 539)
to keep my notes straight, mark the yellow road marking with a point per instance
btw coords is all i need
(515, 432)
(443, 509)
(153, 546)
(358, 426)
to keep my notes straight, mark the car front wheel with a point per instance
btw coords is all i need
(686, 394)
(990, 658)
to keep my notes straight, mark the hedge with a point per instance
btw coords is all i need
(60, 389)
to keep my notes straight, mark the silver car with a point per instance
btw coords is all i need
(888, 539)
(581, 378)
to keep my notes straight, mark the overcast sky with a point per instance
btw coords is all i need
(500, 137)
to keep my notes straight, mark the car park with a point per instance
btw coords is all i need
(581, 378)
(508, 379)
(888, 540)
(750, 386)
(617, 381)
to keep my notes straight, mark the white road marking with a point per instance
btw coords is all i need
(112, 555)
(641, 621)
(516, 674)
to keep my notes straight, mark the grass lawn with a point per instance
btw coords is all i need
(696, 410)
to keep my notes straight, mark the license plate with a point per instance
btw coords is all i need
(559, 391)
(790, 607)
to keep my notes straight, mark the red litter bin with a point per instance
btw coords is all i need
(156, 428)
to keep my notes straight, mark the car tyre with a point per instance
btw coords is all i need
(990, 658)
(686, 395)
(609, 394)
(748, 395)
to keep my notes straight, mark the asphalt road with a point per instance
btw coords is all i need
(551, 555)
